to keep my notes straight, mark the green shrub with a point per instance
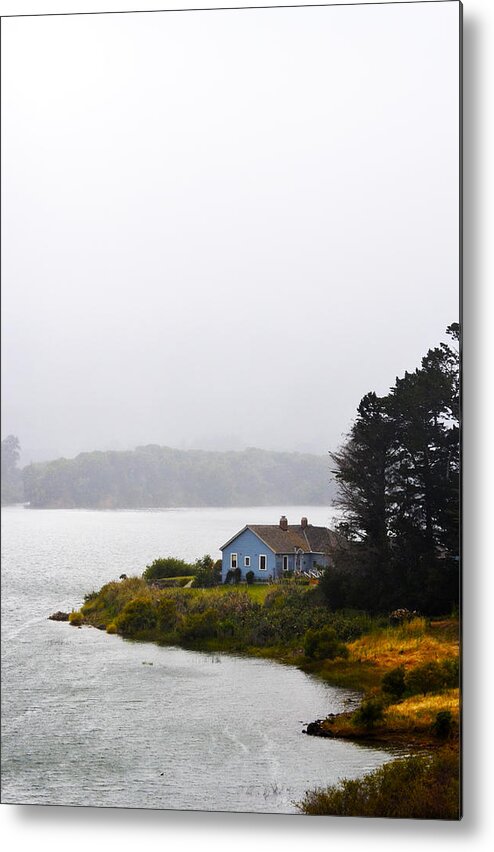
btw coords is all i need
(111, 628)
(412, 788)
(249, 578)
(199, 625)
(370, 712)
(323, 644)
(234, 575)
(442, 726)
(432, 677)
(166, 615)
(137, 616)
(208, 572)
(393, 682)
(168, 566)
(76, 618)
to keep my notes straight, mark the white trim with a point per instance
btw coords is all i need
(246, 561)
(265, 557)
(232, 557)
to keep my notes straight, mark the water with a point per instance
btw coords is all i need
(91, 719)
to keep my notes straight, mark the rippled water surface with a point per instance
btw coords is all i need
(91, 719)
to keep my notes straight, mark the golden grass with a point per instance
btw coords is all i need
(409, 645)
(420, 711)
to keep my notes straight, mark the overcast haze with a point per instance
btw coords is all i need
(221, 229)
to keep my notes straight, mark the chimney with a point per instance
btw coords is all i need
(304, 523)
(283, 522)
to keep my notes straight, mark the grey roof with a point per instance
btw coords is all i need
(309, 539)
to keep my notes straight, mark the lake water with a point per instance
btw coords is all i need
(92, 719)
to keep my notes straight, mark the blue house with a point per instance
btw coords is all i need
(273, 550)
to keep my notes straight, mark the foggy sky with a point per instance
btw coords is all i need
(221, 229)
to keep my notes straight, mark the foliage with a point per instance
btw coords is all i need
(160, 476)
(413, 788)
(370, 712)
(167, 566)
(249, 577)
(137, 616)
(233, 576)
(393, 682)
(402, 616)
(323, 644)
(208, 572)
(199, 625)
(443, 724)
(11, 481)
(398, 478)
(248, 615)
(76, 618)
(432, 677)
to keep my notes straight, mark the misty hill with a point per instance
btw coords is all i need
(154, 476)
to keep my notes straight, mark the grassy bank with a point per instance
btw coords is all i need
(421, 787)
(408, 673)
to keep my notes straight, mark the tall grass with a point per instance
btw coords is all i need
(412, 788)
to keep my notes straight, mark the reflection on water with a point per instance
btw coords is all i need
(92, 719)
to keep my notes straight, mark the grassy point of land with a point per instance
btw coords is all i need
(273, 622)
(408, 675)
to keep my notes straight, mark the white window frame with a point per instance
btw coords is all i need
(285, 563)
(246, 561)
(265, 557)
(233, 558)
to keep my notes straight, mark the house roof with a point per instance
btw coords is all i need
(309, 539)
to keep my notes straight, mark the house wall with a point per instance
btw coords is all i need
(248, 544)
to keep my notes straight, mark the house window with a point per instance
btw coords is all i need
(263, 562)
(246, 561)
(285, 563)
(233, 560)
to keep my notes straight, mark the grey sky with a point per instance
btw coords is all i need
(221, 229)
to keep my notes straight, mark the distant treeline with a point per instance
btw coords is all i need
(154, 476)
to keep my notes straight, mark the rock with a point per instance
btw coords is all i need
(314, 729)
(59, 616)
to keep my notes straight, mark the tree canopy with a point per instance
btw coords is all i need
(398, 481)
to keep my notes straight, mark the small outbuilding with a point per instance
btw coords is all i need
(272, 551)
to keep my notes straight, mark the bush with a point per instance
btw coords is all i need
(402, 616)
(111, 628)
(249, 578)
(442, 726)
(199, 625)
(168, 566)
(393, 682)
(323, 644)
(412, 788)
(166, 615)
(208, 572)
(234, 575)
(432, 677)
(137, 616)
(369, 713)
(76, 618)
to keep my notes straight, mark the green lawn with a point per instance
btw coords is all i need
(257, 591)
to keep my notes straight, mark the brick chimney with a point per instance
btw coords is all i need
(304, 523)
(283, 522)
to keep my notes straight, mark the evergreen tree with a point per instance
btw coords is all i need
(398, 477)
